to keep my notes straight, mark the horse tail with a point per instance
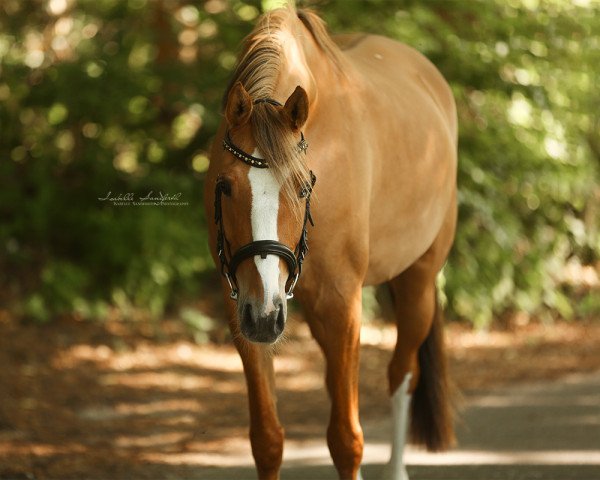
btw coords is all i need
(432, 413)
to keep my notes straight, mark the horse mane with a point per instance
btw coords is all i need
(318, 29)
(258, 69)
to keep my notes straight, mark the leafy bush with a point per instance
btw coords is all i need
(95, 100)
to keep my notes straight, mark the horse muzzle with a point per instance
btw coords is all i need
(260, 326)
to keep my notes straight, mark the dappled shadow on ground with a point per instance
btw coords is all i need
(420, 472)
(82, 400)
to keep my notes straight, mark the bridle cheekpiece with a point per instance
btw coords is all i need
(294, 259)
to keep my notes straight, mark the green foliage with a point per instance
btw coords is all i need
(123, 97)
(95, 99)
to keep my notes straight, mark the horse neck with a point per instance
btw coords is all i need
(303, 64)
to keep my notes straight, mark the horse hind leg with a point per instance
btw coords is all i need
(416, 373)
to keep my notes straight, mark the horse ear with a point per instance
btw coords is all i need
(239, 106)
(295, 110)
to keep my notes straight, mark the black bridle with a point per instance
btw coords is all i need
(293, 259)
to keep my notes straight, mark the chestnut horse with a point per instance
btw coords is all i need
(381, 124)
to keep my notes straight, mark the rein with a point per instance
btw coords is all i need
(294, 259)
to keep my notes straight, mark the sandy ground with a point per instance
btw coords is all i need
(125, 400)
(545, 430)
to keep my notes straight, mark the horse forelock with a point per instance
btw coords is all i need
(263, 60)
(260, 62)
(279, 146)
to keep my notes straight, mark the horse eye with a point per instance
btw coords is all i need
(224, 186)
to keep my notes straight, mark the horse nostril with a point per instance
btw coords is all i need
(280, 322)
(260, 327)
(247, 315)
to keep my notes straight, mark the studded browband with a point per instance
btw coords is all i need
(249, 159)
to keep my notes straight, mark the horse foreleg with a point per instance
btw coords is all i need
(266, 433)
(337, 330)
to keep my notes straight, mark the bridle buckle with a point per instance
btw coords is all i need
(234, 293)
(290, 293)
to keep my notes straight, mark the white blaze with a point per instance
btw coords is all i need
(263, 217)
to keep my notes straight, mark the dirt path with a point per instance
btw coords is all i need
(548, 430)
(122, 401)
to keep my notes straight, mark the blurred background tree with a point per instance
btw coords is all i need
(123, 96)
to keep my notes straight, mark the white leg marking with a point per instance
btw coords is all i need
(359, 475)
(400, 418)
(263, 216)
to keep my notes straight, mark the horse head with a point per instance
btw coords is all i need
(262, 206)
